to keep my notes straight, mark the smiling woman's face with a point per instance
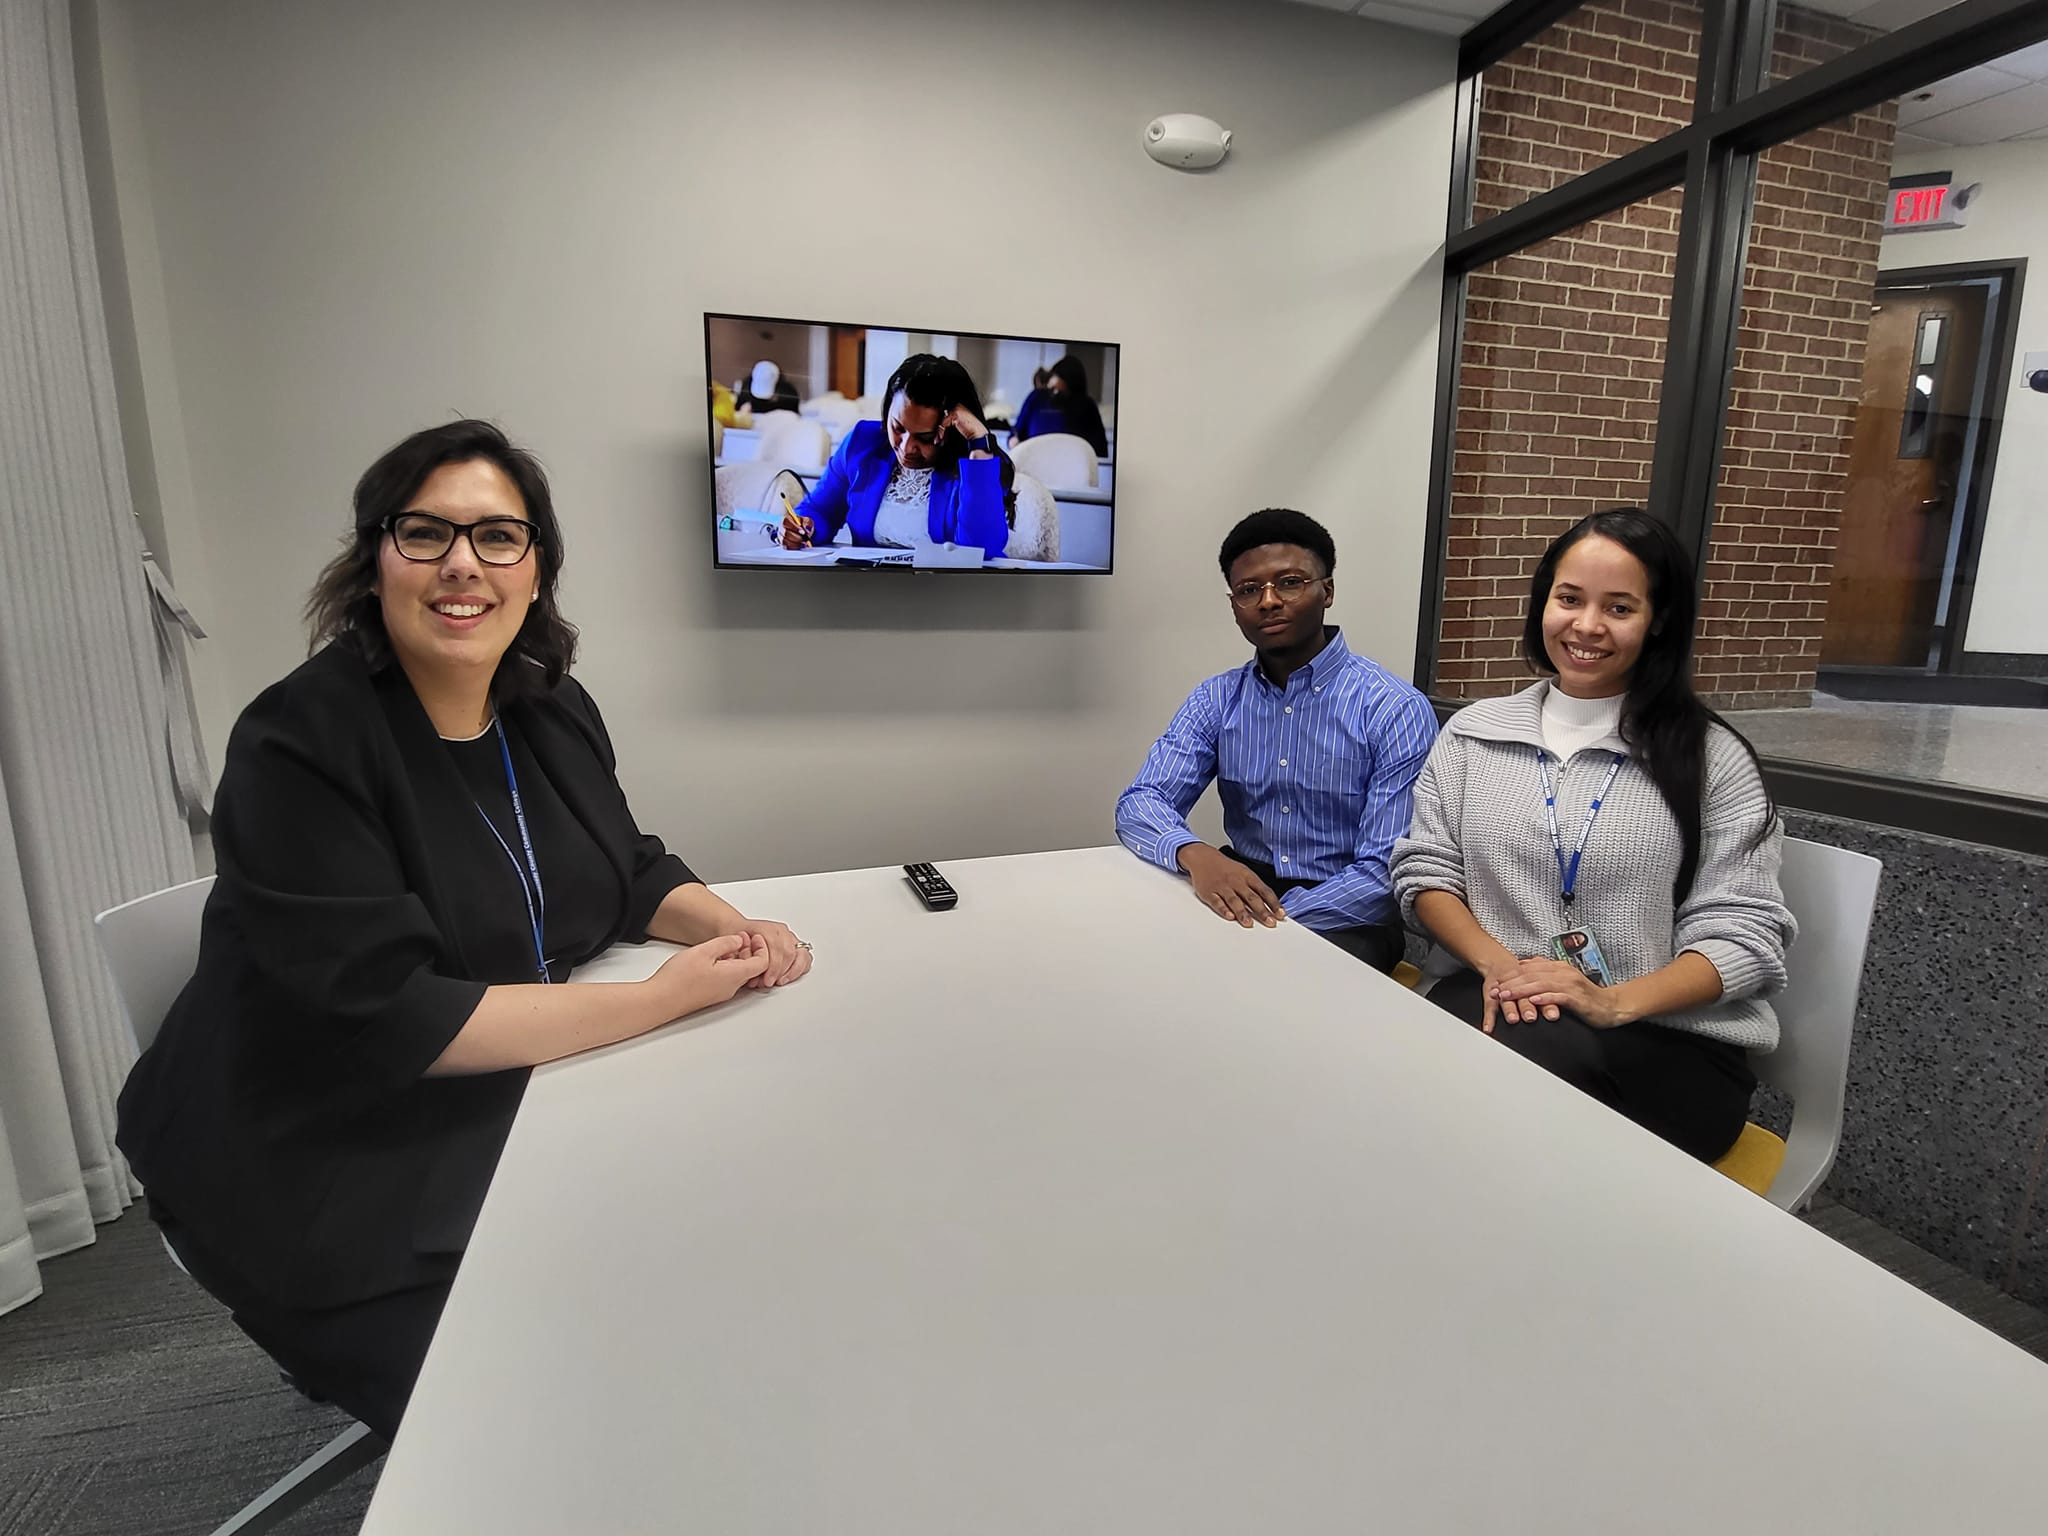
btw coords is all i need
(1596, 618)
(456, 613)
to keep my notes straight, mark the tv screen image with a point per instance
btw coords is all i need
(854, 447)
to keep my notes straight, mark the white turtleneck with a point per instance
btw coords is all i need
(1570, 724)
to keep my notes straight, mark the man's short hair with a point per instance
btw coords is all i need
(1280, 525)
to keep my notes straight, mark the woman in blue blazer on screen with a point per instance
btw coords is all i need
(926, 473)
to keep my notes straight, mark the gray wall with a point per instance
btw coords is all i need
(1947, 1115)
(342, 222)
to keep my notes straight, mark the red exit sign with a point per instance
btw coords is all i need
(1918, 205)
(1929, 201)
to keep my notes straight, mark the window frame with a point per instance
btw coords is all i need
(1737, 115)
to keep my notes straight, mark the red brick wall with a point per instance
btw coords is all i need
(1798, 371)
(1608, 78)
(1557, 412)
(1564, 351)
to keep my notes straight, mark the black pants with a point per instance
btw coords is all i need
(1692, 1091)
(363, 1357)
(1379, 945)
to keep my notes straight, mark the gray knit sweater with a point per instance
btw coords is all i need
(1480, 833)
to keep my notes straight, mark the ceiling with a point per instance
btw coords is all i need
(1990, 104)
(1453, 17)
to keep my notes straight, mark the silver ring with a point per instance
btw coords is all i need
(804, 945)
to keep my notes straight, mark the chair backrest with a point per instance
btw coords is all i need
(739, 487)
(152, 948)
(1057, 459)
(1036, 533)
(1832, 892)
(787, 438)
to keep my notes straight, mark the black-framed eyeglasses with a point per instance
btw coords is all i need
(1289, 589)
(424, 537)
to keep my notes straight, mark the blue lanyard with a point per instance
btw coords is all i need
(1568, 874)
(536, 898)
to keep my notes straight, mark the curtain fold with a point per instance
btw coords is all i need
(90, 811)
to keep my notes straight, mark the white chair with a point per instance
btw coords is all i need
(1057, 459)
(152, 947)
(1035, 535)
(786, 438)
(740, 487)
(1832, 892)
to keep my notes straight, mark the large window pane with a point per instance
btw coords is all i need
(1873, 579)
(1612, 76)
(1557, 411)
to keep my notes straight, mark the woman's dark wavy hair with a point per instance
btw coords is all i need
(1071, 372)
(343, 605)
(1663, 720)
(939, 384)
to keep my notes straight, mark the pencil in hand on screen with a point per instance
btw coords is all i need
(791, 521)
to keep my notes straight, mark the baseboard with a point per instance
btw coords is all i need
(2003, 664)
(1898, 685)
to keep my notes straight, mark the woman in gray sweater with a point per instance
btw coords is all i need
(1600, 852)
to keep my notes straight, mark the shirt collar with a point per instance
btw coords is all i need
(1328, 661)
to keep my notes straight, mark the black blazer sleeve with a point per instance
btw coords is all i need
(339, 941)
(652, 871)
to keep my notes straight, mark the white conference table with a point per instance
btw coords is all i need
(1076, 1209)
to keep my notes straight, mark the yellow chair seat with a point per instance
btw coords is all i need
(1754, 1160)
(1406, 974)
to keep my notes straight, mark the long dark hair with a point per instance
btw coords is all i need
(343, 605)
(1070, 371)
(1663, 720)
(939, 384)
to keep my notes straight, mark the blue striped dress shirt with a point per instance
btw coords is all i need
(1317, 779)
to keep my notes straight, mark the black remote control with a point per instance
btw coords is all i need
(931, 887)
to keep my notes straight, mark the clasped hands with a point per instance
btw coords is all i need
(1520, 990)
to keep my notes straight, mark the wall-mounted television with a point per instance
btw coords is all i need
(857, 447)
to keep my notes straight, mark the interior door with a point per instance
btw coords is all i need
(1905, 460)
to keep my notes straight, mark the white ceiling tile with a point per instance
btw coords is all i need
(1911, 143)
(1998, 117)
(1972, 85)
(1890, 15)
(1415, 17)
(2031, 61)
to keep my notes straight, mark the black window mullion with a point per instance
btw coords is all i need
(1961, 37)
(1450, 352)
(1639, 174)
(1699, 355)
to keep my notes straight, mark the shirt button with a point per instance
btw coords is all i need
(1319, 688)
(1283, 762)
(1285, 809)
(1283, 858)
(1288, 710)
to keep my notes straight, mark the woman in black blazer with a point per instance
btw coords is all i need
(419, 834)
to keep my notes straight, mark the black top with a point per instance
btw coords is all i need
(579, 892)
(362, 905)
(783, 399)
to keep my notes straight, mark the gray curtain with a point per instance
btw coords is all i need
(90, 812)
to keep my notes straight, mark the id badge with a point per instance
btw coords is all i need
(1577, 947)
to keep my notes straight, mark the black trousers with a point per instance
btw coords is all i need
(363, 1357)
(1692, 1091)
(1379, 945)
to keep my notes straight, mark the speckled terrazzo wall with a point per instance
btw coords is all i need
(1947, 1118)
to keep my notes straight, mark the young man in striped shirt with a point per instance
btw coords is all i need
(1314, 751)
